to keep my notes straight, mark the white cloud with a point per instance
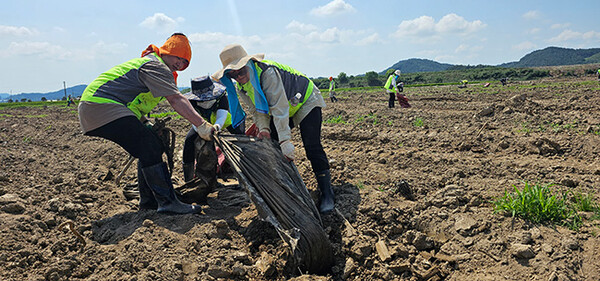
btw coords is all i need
(328, 36)
(464, 48)
(335, 7)
(160, 22)
(568, 35)
(219, 40)
(425, 26)
(532, 15)
(524, 46)
(461, 48)
(534, 30)
(36, 49)
(369, 40)
(453, 23)
(560, 25)
(300, 27)
(6, 30)
(104, 48)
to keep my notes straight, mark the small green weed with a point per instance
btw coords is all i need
(525, 128)
(336, 120)
(418, 122)
(585, 202)
(537, 203)
(26, 139)
(360, 185)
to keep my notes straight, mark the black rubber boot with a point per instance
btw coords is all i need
(147, 200)
(188, 171)
(158, 179)
(327, 197)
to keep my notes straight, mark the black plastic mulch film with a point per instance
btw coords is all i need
(281, 198)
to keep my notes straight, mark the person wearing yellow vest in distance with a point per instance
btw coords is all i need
(332, 90)
(279, 98)
(209, 99)
(113, 107)
(598, 74)
(391, 88)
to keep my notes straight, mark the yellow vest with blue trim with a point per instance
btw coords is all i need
(293, 82)
(121, 85)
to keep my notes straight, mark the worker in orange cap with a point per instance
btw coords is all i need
(114, 106)
(332, 90)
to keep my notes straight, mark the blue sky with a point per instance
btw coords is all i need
(43, 43)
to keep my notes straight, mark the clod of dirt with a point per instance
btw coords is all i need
(522, 251)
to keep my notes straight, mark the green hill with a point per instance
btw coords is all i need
(418, 65)
(554, 56)
(551, 56)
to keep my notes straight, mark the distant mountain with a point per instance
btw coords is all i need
(4, 96)
(418, 65)
(74, 91)
(551, 56)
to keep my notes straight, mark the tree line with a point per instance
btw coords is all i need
(455, 74)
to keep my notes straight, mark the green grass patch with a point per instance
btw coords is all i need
(336, 120)
(360, 185)
(418, 122)
(539, 204)
(32, 104)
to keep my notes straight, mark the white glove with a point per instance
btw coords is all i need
(288, 149)
(205, 131)
(217, 127)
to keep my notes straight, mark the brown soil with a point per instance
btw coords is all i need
(472, 144)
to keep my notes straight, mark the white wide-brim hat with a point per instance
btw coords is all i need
(234, 57)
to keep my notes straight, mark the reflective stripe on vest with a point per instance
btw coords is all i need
(293, 82)
(124, 79)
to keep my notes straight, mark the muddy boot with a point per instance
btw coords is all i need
(188, 171)
(327, 197)
(158, 179)
(147, 200)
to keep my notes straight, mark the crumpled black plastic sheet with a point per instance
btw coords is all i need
(281, 198)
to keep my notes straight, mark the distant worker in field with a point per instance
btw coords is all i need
(599, 74)
(393, 87)
(463, 83)
(332, 96)
(503, 81)
(69, 100)
(209, 99)
(279, 98)
(113, 107)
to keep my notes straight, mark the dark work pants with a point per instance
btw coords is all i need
(391, 100)
(138, 140)
(310, 131)
(189, 146)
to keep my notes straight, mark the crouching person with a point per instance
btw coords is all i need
(113, 107)
(279, 98)
(209, 99)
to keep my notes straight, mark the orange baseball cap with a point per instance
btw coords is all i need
(179, 46)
